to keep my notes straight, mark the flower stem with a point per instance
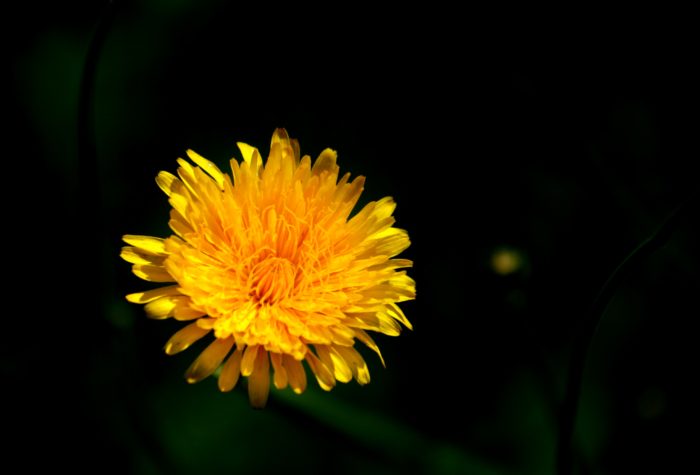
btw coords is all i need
(589, 326)
(89, 201)
(87, 148)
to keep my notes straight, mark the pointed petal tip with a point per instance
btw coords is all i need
(280, 134)
(148, 244)
(208, 360)
(184, 338)
(230, 372)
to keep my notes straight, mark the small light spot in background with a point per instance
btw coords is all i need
(505, 260)
(651, 403)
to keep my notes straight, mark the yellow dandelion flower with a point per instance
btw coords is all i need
(271, 264)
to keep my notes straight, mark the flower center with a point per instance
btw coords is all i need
(271, 280)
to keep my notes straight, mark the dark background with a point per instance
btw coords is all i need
(565, 148)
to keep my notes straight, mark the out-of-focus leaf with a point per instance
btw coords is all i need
(396, 440)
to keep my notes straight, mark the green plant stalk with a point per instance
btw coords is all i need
(87, 147)
(589, 326)
(89, 197)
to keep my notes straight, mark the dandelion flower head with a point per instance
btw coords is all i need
(272, 267)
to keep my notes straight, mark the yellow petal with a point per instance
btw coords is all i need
(351, 193)
(152, 273)
(259, 380)
(302, 174)
(248, 360)
(341, 369)
(210, 359)
(206, 323)
(391, 264)
(280, 136)
(150, 295)
(295, 373)
(396, 312)
(182, 340)
(188, 177)
(167, 182)
(384, 208)
(208, 167)
(325, 163)
(280, 379)
(136, 256)
(297, 150)
(246, 151)
(369, 342)
(148, 244)
(185, 313)
(165, 307)
(389, 242)
(384, 323)
(323, 375)
(180, 200)
(230, 371)
(179, 224)
(356, 362)
(160, 308)
(343, 335)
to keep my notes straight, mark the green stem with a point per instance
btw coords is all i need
(87, 148)
(89, 199)
(589, 327)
